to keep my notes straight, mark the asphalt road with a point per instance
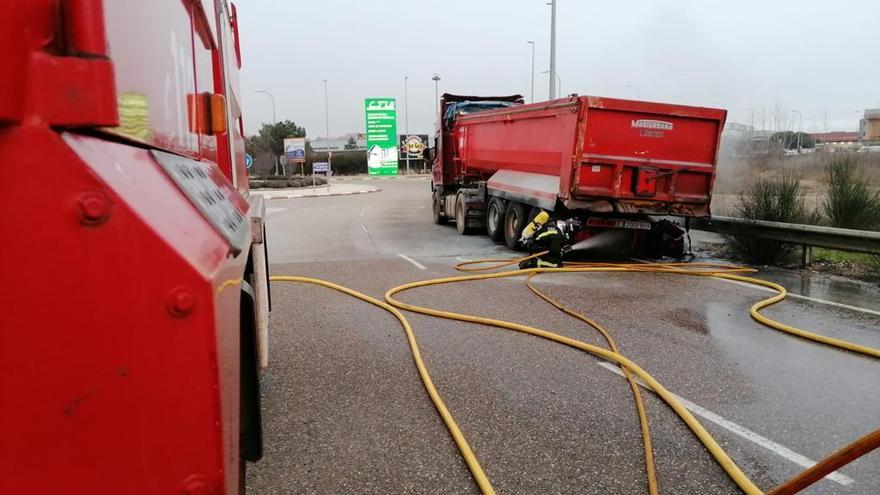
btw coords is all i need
(345, 411)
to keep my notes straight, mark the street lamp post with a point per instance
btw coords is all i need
(436, 80)
(558, 80)
(552, 5)
(533, 70)
(800, 124)
(406, 120)
(274, 120)
(327, 129)
(275, 159)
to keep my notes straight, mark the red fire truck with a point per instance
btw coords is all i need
(135, 297)
(605, 162)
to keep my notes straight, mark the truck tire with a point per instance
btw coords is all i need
(461, 216)
(515, 220)
(495, 219)
(439, 217)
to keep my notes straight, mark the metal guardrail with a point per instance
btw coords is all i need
(859, 241)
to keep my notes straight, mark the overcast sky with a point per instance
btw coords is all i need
(747, 56)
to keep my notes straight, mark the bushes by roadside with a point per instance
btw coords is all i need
(849, 202)
(775, 199)
(281, 182)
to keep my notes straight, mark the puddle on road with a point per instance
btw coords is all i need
(828, 287)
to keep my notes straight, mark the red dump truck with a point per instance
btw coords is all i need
(607, 163)
(135, 295)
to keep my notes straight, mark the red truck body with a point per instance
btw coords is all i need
(135, 278)
(580, 155)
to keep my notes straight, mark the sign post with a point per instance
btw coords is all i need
(381, 116)
(413, 146)
(295, 150)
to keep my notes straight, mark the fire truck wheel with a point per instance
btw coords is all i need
(495, 219)
(514, 222)
(242, 476)
(461, 215)
(439, 218)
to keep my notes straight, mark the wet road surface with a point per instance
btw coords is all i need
(345, 411)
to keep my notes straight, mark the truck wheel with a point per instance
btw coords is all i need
(439, 218)
(495, 219)
(514, 222)
(461, 216)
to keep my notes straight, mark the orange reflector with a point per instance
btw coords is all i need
(218, 114)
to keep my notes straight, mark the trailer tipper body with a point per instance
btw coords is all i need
(610, 163)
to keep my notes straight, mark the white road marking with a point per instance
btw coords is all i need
(365, 228)
(414, 262)
(790, 294)
(743, 432)
(364, 211)
(805, 298)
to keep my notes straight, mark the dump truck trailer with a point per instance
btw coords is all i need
(608, 163)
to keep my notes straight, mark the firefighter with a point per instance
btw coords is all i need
(542, 234)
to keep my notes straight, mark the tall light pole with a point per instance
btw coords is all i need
(800, 123)
(533, 70)
(436, 80)
(638, 91)
(558, 81)
(406, 120)
(327, 129)
(275, 159)
(274, 120)
(552, 5)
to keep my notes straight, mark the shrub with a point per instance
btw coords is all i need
(775, 199)
(849, 203)
(280, 182)
(344, 163)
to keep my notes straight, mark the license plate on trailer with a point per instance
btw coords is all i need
(615, 223)
(636, 225)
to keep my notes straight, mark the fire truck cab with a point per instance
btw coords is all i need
(136, 292)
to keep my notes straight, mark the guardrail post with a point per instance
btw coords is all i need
(806, 256)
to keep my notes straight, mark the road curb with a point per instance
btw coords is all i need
(393, 177)
(349, 193)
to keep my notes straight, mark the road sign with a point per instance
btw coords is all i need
(381, 118)
(320, 167)
(248, 161)
(295, 149)
(413, 145)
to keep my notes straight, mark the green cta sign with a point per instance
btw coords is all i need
(381, 117)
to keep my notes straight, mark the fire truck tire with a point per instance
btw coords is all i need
(439, 218)
(495, 219)
(250, 417)
(515, 220)
(461, 216)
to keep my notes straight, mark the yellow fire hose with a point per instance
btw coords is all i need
(630, 368)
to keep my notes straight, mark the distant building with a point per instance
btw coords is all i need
(836, 137)
(353, 141)
(869, 127)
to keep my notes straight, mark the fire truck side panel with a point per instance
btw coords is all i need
(203, 57)
(130, 314)
(151, 45)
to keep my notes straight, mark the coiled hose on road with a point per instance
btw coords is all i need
(630, 368)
